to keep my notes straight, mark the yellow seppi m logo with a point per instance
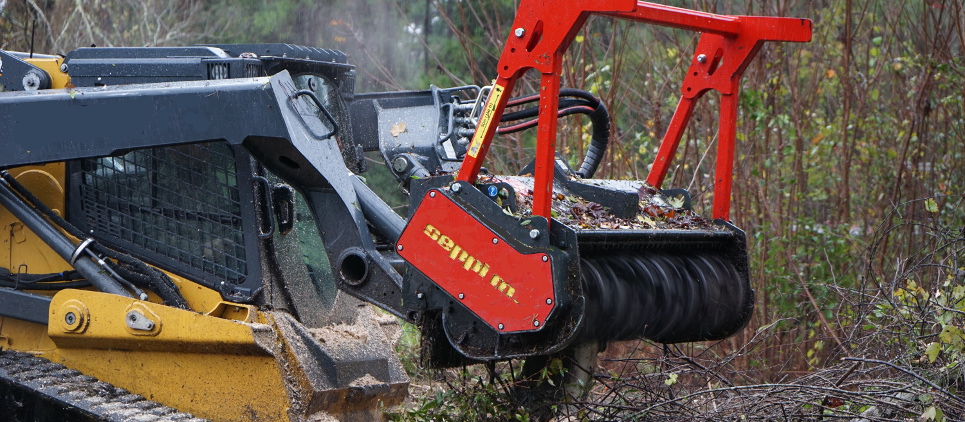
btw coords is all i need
(469, 263)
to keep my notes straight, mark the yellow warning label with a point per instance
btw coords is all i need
(485, 120)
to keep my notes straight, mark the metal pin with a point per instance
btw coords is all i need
(399, 164)
(534, 234)
(702, 58)
(520, 32)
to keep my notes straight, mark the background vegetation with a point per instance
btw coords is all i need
(849, 180)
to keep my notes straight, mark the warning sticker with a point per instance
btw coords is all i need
(485, 120)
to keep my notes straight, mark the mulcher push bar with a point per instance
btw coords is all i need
(726, 47)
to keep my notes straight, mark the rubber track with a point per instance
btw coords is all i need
(71, 388)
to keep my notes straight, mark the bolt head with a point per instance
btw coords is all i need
(70, 318)
(420, 295)
(534, 234)
(702, 58)
(501, 326)
(462, 296)
(432, 194)
(546, 258)
(398, 247)
(549, 301)
(536, 323)
(495, 240)
(63, 68)
(520, 32)
(456, 187)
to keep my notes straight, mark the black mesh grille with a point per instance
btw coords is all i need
(179, 203)
(218, 71)
(253, 70)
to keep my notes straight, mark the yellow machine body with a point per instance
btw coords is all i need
(218, 360)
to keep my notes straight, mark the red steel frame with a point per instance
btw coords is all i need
(544, 30)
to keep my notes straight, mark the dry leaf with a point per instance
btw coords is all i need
(397, 129)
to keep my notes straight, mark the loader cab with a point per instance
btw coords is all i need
(181, 207)
(209, 212)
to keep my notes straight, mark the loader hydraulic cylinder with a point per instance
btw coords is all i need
(58, 242)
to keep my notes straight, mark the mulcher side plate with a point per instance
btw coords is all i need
(465, 255)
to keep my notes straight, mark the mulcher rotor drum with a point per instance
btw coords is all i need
(665, 297)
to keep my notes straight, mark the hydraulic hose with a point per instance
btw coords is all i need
(58, 242)
(129, 271)
(581, 102)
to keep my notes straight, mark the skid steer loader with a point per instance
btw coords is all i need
(187, 235)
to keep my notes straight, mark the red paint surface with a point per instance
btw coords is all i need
(499, 284)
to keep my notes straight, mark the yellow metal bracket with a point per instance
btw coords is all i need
(105, 321)
(141, 320)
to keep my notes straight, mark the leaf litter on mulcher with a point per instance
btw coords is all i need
(655, 209)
